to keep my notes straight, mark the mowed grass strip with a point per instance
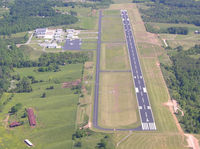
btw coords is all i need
(158, 95)
(55, 114)
(112, 29)
(114, 57)
(150, 141)
(117, 101)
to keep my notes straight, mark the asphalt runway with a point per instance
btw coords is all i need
(145, 111)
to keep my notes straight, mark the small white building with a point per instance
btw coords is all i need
(28, 142)
(40, 32)
(70, 31)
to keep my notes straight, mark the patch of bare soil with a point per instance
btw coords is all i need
(192, 141)
(71, 84)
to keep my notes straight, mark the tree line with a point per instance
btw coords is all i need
(169, 30)
(170, 11)
(28, 15)
(183, 81)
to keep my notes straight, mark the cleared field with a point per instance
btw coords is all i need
(161, 26)
(114, 57)
(117, 101)
(30, 52)
(55, 114)
(187, 41)
(112, 29)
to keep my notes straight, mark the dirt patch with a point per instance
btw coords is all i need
(71, 84)
(5, 121)
(192, 141)
(157, 64)
(171, 108)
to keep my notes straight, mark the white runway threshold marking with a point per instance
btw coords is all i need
(144, 89)
(136, 90)
(152, 126)
(148, 126)
(145, 126)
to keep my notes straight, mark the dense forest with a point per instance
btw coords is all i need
(172, 11)
(9, 55)
(30, 14)
(183, 81)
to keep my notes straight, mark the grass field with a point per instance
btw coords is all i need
(55, 114)
(88, 45)
(117, 104)
(114, 57)
(111, 12)
(112, 29)
(150, 140)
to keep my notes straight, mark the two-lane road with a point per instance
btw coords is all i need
(146, 115)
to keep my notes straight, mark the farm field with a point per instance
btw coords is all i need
(117, 104)
(55, 114)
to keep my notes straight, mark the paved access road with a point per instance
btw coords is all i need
(146, 115)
